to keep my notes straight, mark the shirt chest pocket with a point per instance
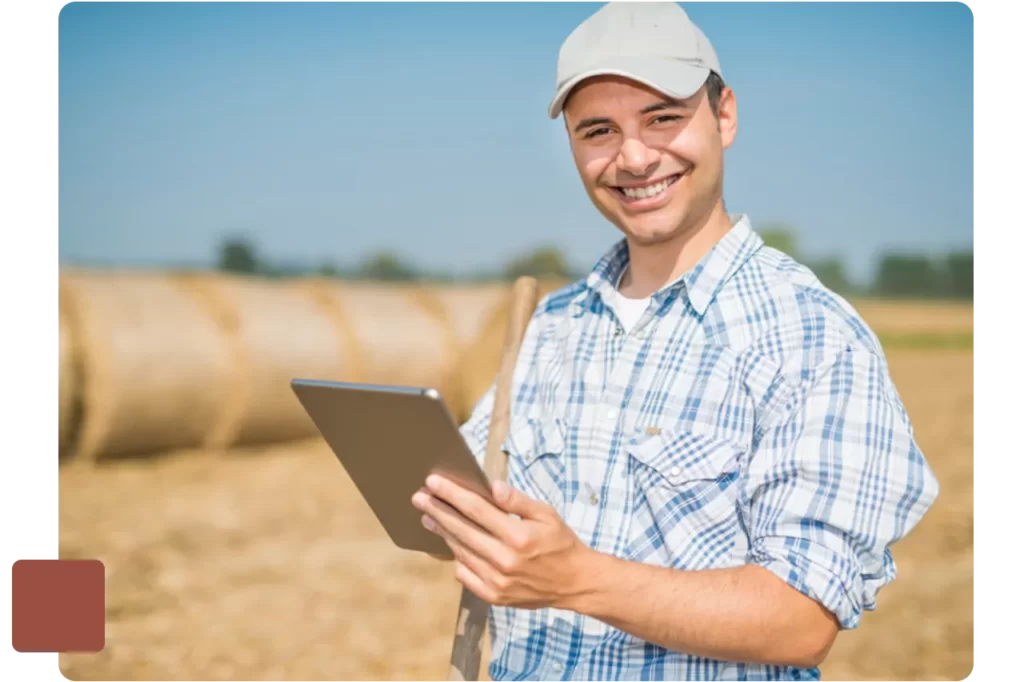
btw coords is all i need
(536, 459)
(684, 492)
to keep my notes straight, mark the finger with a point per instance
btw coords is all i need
(432, 505)
(455, 525)
(462, 553)
(474, 583)
(514, 501)
(472, 506)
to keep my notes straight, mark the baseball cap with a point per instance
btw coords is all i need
(653, 43)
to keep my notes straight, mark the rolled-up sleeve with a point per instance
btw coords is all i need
(835, 479)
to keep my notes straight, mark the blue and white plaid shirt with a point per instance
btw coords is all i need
(748, 418)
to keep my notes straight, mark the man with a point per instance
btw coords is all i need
(708, 461)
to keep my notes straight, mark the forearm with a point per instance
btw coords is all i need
(742, 614)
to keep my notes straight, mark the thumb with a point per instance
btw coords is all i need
(515, 502)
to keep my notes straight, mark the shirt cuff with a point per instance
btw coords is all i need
(817, 571)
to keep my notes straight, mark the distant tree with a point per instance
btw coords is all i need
(907, 275)
(960, 274)
(238, 255)
(780, 236)
(284, 270)
(386, 266)
(327, 270)
(832, 273)
(547, 261)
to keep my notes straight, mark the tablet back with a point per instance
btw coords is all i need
(389, 439)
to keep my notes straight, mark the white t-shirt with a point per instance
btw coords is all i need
(628, 310)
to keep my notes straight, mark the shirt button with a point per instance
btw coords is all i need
(674, 471)
(558, 667)
(611, 414)
(640, 334)
(594, 499)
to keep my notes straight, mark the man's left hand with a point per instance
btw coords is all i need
(530, 562)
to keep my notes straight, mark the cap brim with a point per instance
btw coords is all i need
(673, 78)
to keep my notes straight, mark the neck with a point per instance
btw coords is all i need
(652, 266)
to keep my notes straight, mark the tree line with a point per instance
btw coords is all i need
(901, 275)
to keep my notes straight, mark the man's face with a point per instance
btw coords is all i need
(652, 166)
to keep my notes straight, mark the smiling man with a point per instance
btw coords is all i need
(708, 461)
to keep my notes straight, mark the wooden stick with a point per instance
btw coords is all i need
(473, 611)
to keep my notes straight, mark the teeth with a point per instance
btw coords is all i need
(646, 192)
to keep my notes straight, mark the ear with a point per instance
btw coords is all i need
(727, 116)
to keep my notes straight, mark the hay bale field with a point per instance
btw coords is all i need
(148, 365)
(158, 361)
(898, 316)
(265, 563)
(277, 331)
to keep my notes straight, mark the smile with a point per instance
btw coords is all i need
(650, 191)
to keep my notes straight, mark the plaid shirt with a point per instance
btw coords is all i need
(749, 417)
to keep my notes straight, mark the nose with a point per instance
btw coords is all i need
(637, 158)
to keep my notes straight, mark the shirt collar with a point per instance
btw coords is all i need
(700, 284)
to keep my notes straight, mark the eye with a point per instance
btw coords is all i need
(596, 132)
(667, 118)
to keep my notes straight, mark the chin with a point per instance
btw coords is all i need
(650, 230)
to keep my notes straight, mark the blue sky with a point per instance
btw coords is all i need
(328, 131)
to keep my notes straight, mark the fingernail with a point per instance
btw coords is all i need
(419, 499)
(429, 523)
(433, 482)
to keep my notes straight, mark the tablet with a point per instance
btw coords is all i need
(389, 439)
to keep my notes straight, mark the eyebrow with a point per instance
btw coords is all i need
(651, 108)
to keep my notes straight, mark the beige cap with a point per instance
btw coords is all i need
(653, 43)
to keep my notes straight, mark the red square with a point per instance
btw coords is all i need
(58, 605)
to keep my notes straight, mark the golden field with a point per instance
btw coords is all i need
(897, 316)
(262, 561)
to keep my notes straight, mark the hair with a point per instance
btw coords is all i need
(714, 86)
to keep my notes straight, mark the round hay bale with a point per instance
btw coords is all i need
(401, 334)
(482, 359)
(155, 367)
(68, 380)
(279, 332)
(469, 311)
(468, 308)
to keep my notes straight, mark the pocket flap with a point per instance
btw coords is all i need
(532, 437)
(680, 456)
